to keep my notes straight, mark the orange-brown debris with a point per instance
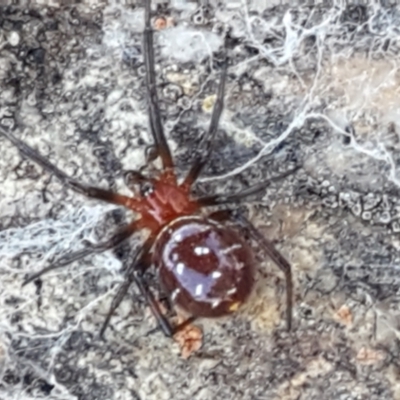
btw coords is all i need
(163, 22)
(189, 338)
(344, 315)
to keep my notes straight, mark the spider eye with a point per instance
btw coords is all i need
(132, 177)
(146, 188)
(135, 180)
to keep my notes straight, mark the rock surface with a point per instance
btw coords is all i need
(316, 85)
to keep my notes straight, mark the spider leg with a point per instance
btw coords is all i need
(89, 191)
(162, 321)
(184, 324)
(121, 235)
(156, 127)
(135, 274)
(218, 199)
(202, 158)
(271, 251)
(279, 260)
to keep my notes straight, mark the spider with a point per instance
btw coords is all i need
(204, 265)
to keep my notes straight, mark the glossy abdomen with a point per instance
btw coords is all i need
(205, 267)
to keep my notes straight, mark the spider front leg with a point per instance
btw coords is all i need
(269, 249)
(89, 191)
(156, 127)
(218, 199)
(202, 158)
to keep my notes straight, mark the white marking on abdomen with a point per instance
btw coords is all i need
(215, 303)
(216, 274)
(178, 238)
(199, 290)
(180, 268)
(175, 293)
(231, 248)
(239, 265)
(201, 251)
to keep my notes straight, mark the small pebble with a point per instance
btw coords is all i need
(13, 38)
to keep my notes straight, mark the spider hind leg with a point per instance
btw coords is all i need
(269, 249)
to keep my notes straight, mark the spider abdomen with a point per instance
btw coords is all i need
(205, 267)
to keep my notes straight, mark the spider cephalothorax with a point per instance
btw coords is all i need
(204, 265)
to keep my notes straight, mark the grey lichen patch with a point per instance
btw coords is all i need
(292, 389)
(266, 307)
(289, 225)
(308, 255)
(359, 80)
